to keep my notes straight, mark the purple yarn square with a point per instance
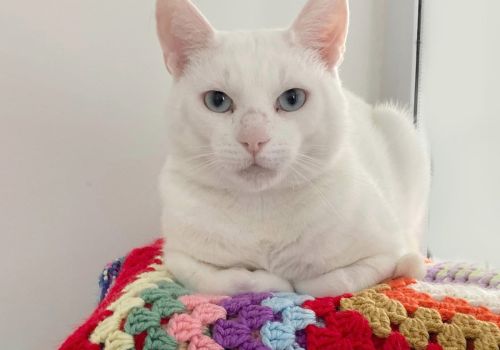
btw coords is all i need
(253, 344)
(230, 334)
(234, 305)
(254, 316)
(255, 298)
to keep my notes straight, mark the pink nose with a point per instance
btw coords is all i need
(253, 139)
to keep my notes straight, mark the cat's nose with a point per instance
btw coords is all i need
(253, 139)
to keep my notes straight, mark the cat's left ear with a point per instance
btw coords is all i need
(322, 26)
(182, 30)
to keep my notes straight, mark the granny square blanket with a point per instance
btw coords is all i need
(456, 307)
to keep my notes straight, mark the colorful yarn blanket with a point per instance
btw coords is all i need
(142, 307)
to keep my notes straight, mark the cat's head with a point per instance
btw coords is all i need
(250, 111)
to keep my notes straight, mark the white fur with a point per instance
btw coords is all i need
(343, 198)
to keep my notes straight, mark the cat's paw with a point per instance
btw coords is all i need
(205, 278)
(236, 281)
(322, 287)
(352, 278)
(267, 282)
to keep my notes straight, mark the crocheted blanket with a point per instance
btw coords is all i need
(142, 307)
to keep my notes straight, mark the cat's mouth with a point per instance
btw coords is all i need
(256, 177)
(257, 170)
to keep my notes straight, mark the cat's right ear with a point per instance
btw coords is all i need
(182, 30)
(322, 26)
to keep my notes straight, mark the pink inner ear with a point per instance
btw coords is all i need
(173, 64)
(182, 29)
(333, 50)
(322, 25)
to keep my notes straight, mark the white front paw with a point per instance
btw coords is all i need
(205, 278)
(240, 280)
(323, 287)
(267, 282)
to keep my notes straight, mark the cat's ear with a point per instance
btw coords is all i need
(322, 26)
(182, 30)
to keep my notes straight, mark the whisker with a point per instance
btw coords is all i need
(209, 165)
(310, 161)
(199, 156)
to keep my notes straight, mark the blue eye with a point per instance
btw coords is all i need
(217, 101)
(292, 100)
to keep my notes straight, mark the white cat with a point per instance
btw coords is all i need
(277, 178)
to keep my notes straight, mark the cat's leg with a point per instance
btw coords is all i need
(359, 275)
(206, 278)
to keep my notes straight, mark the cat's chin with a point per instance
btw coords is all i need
(256, 170)
(257, 178)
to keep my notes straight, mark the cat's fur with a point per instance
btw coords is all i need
(344, 196)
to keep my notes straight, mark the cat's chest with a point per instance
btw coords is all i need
(295, 235)
(273, 235)
(295, 248)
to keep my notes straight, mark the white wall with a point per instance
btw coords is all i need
(82, 88)
(461, 107)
